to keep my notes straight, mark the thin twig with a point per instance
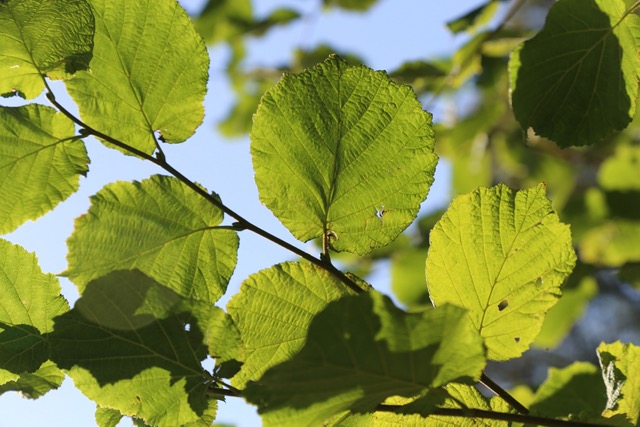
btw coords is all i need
(494, 387)
(241, 222)
(492, 415)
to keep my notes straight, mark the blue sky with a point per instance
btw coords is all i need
(390, 33)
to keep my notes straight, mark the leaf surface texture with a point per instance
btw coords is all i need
(343, 152)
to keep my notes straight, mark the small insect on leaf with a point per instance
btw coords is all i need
(503, 304)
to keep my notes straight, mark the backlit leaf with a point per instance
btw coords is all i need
(30, 300)
(42, 37)
(34, 385)
(273, 311)
(612, 243)
(343, 152)
(502, 255)
(620, 365)
(563, 395)
(222, 20)
(561, 317)
(467, 396)
(355, 5)
(471, 20)
(107, 417)
(148, 73)
(135, 346)
(160, 227)
(361, 350)
(620, 171)
(576, 82)
(40, 162)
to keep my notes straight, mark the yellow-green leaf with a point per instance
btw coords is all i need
(502, 255)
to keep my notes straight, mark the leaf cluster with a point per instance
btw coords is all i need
(343, 155)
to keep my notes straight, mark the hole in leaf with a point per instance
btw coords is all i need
(187, 327)
(380, 212)
(517, 339)
(503, 305)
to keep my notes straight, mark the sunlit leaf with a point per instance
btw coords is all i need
(148, 73)
(418, 413)
(107, 417)
(354, 166)
(33, 385)
(355, 5)
(620, 365)
(620, 171)
(135, 346)
(40, 163)
(479, 16)
(221, 329)
(461, 396)
(273, 311)
(466, 145)
(361, 350)
(160, 227)
(580, 288)
(423, 76)
(222, 20)
(407, 278)
(30, 300)
(42, 37)
(612, 243)
(563, 395)
(502, 255)
(281, 16)
(577, 80)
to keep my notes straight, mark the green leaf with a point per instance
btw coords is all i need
(576, 82)
(466, 396)
(107, 417)
(475, 18)
(467, 60)
(407, 278)
(40, 163)
(561, 317)
(423, 76)
(135, 346)
(502, 255)
(34, 385)
(343, 152)
(281, 16)
(620, 365)
(453, 396)
(620, 171)
(575, 392)
(30, 300)
(355, 5)
(148, 73)
(612, 243)
(161, 227)
(361, 350)
(222, 20)
(466, 145)
(42, 37)
(273, 311)
(221, 329)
